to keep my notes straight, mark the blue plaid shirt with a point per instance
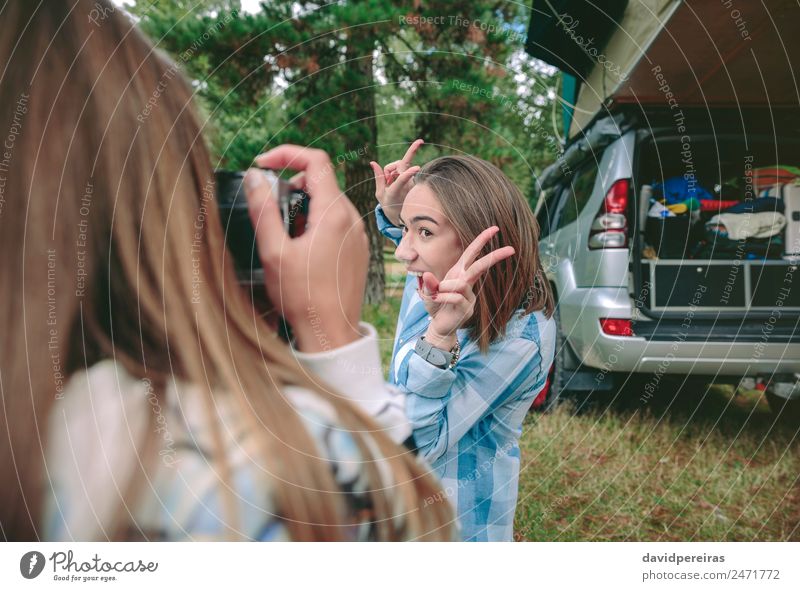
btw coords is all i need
(467, 421)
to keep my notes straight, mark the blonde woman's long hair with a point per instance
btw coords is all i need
(104, 150)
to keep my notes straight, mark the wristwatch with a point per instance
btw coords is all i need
(436, 356)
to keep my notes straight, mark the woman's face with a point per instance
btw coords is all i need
(430, 242)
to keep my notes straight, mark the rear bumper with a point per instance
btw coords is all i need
(685, 348)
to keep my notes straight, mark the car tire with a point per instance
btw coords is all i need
(555, 390)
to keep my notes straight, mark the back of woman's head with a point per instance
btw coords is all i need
(114, 250)
(475, 195)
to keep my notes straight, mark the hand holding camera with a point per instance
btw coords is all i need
(316, 280)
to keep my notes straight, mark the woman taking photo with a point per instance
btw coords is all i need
(475, 338)
(142, 395)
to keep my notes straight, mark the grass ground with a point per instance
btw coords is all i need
(703, 465)
(700, 465)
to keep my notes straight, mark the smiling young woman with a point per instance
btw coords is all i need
(475, 338)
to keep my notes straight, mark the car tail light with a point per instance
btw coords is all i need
(609, 221)
(618, 327)
(610, 226)
(612, 239)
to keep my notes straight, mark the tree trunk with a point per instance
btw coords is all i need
(360, 189)
(359, 180)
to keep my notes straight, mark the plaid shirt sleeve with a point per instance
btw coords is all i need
(386, 227)
(445, 404)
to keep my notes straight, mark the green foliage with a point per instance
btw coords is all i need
(363, 79)
(459, 77)
(222, 51)
(452, 72)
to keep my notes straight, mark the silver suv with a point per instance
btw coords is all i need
(655, 296)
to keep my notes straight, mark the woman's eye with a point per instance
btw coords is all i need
(403, 229)
(425, 233)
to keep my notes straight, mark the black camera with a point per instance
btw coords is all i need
(240, 236)
(239, 233)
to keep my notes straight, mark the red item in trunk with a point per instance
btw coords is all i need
(714, 205)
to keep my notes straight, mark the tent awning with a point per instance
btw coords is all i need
(694, 52)
(712, 53)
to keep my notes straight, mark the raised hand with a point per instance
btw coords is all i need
(394, 181)
(451, 302)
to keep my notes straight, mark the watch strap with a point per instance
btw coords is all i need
(434, 355)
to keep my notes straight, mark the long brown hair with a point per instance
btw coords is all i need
(113, 249)
(476, 195)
